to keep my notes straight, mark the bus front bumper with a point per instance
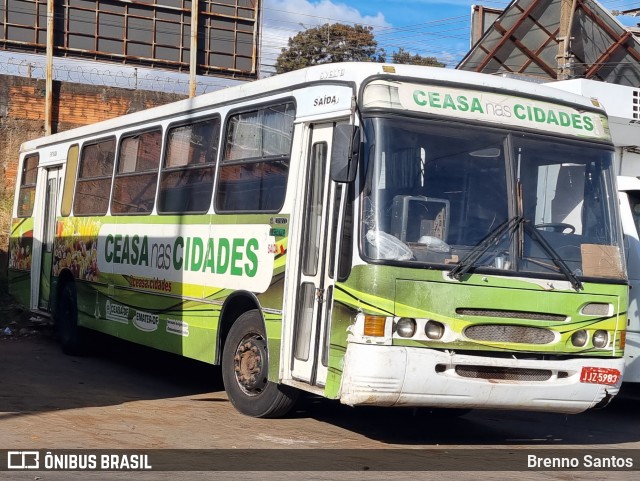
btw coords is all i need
(404, 376)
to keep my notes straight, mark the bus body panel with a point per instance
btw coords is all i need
(527, 319)
(404, 376)
(20, 258)
(136, 281)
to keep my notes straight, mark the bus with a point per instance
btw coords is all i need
(377, 234)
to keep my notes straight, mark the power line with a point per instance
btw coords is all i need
(415, 37)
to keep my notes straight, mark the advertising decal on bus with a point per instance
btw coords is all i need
(153, 257)
(500, 108)
(189, 254)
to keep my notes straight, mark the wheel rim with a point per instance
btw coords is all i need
(250, 364)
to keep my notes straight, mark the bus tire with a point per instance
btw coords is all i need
(72, 337)
(245, 370)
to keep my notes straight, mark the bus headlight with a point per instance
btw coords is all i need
(579, 338)
(406, 327)
(434, 330)
(600, 339)
(374, 326)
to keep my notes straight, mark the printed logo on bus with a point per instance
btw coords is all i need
(326, 100)
(499, 108)
(117, 312)
(177, 327)
(145, 321)
(226, 256)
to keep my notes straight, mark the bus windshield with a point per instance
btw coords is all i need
(436, 190)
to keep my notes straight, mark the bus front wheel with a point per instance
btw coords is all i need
(70, 335)
(245, 369)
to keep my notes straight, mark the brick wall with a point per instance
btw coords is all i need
(22, 118)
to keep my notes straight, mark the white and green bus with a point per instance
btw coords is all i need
(379, 234)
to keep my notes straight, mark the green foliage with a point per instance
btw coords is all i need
(329, 43)
(337, 42)
(402, 56)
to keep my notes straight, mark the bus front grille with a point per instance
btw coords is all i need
(510, 333)
(503, 373)
(530, 316)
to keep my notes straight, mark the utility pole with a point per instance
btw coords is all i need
(193, 49)
(564, 57)
(48, 99)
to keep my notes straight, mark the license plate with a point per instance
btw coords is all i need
(600, 375)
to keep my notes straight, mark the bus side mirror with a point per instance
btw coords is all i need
(345, 153)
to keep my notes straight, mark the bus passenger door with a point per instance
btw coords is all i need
(48, 229)
(315, 279)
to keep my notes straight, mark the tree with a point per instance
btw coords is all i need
(402, 56)
(329, 43)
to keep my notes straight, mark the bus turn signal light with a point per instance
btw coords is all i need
(374, 325)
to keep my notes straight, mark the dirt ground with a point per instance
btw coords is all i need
(15, 321)
(125, 396)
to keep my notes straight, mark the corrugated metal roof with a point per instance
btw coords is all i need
(526, 39)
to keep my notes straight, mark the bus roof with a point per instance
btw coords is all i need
(349, 72)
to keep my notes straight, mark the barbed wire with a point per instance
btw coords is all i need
(132, 78)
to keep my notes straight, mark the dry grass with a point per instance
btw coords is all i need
(6, 202)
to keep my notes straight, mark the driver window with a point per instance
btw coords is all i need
(560, 193)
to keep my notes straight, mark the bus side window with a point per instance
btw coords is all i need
(634, 202)
(28, 178)
(69, 180)
(255, 165)
(94, 178)
(186, 180)
(134, 187)
(346, 242)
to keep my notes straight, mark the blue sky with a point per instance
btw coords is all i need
(431, 28)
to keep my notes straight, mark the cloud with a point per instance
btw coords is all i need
(284, 18)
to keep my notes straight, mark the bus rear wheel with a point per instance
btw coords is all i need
(71, 336)
(245, 370)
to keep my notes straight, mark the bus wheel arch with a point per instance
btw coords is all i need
(245, 366)
(235, 306)
(71, 336)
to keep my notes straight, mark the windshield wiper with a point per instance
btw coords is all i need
(507, 227)
(562, 265)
